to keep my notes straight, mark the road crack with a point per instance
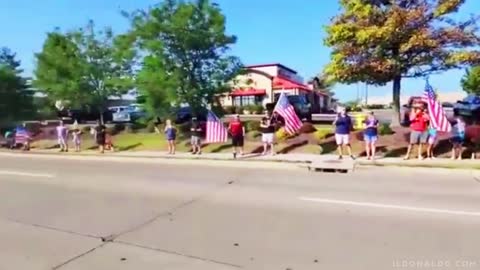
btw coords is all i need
(78, 257)
(179, 254)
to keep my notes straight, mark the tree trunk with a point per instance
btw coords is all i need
(396, 118)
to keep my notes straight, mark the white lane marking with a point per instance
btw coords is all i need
(16, 173)
(392, 206)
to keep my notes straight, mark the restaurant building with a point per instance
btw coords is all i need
(263, 84)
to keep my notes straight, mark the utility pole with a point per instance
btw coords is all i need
(366, 93)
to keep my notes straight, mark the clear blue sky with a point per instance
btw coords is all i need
(268, 31)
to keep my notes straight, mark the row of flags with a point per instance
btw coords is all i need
(217, 132)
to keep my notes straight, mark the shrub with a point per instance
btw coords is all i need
(375, 106)
(254, 134)
(117, 128)
(307, 128)
(239, 110)
(86, 129)
(151, 127)
(385, 129)
(321, 134)
(253, 126)
(282, 135)
(230, 109)
(258, 109)
(218, 111)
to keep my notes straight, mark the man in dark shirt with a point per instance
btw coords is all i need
(100, 136)
(195, 140)
(343, 126)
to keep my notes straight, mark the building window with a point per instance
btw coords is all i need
(247, 100)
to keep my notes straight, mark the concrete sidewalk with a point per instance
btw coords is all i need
(300, 159)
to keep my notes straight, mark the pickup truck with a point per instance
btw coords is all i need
(301, 105)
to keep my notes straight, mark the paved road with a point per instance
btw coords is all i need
(55, 212)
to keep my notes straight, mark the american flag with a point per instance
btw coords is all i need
(287, 111)
(216, 131)
(21, 135)
(438, 119)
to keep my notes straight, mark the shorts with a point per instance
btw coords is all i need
(342, 139)
(100, 140)
(370, 138)
(267, 138)
(417, 137)
(458, 140)
(432, 139)
(195, 140)
(62, 141)
(171, 138)
(237, 141)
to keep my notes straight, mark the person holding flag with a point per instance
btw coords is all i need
(287, 112)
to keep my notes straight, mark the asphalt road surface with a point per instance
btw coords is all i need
(72, 214)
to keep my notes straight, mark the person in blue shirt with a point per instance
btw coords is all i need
(171, 134)
(432, 140)
(370, 135)
(343, 126)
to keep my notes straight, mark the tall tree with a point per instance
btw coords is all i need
(15, 94)
(187, 53)
(84, 66)
(384, 41)
(471, 81)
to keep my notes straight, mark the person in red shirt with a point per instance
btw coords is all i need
(418, 130)
(237, 131)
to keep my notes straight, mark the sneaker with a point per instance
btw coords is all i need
(199, 153)
(340, 157)
(352, 157)
(234, 155)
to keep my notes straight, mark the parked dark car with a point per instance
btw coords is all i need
(301, 105)
(83, 115)
(406, 108)
(469, 107)
(185, 114)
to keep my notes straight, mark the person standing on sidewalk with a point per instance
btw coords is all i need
(100, 132)
(458, 138)
(432, 140)
(195, 140)
(268, 134)
(62, 134)
(77, 141)
(343, 126)
(237, 130)
(370, 135)
(171, 134)
(418, 130)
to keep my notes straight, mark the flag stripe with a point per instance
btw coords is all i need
(438, 118)
(287, 111)
(216, 131)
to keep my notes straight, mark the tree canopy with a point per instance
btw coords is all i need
(15, 95)
(185, 49)
(84, 66)
(471, 81)
(384, 41)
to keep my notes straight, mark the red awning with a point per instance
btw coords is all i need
(284, 83)
(248, 92)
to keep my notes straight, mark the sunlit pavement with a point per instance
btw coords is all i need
(66, 213)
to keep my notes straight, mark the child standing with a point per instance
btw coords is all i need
(458, 138)
(171, 134)
(76, 139)
(370, 135)
(432, 140)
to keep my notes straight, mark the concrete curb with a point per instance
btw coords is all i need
(438, 165)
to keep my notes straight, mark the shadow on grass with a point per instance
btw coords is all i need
(129, 147)
(291, 147)
(221, 148)
(328, 147)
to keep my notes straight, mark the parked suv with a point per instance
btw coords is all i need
(302, 107)
(469, 107)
